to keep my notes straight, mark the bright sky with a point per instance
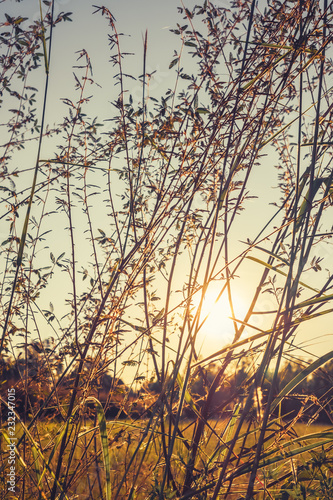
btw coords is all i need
(157, 16)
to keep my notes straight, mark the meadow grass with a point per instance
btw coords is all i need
(127, 222)
(88, 470)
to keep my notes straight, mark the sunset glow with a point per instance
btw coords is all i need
(217, 315)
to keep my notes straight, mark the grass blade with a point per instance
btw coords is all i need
(301, 376)
(104, 441)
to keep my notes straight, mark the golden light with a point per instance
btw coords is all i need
(218, 327)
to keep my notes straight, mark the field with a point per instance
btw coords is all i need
(136, 463)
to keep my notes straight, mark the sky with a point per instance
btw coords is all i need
(134, 17)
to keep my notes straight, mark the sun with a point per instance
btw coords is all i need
(218, 326)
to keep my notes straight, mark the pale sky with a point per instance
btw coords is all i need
(133, 17)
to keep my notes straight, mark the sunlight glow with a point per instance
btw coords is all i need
(218, 326)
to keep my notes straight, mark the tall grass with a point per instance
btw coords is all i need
(128, 221)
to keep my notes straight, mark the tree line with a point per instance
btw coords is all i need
(33, 378)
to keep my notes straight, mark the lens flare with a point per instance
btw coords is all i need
(216, 315)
